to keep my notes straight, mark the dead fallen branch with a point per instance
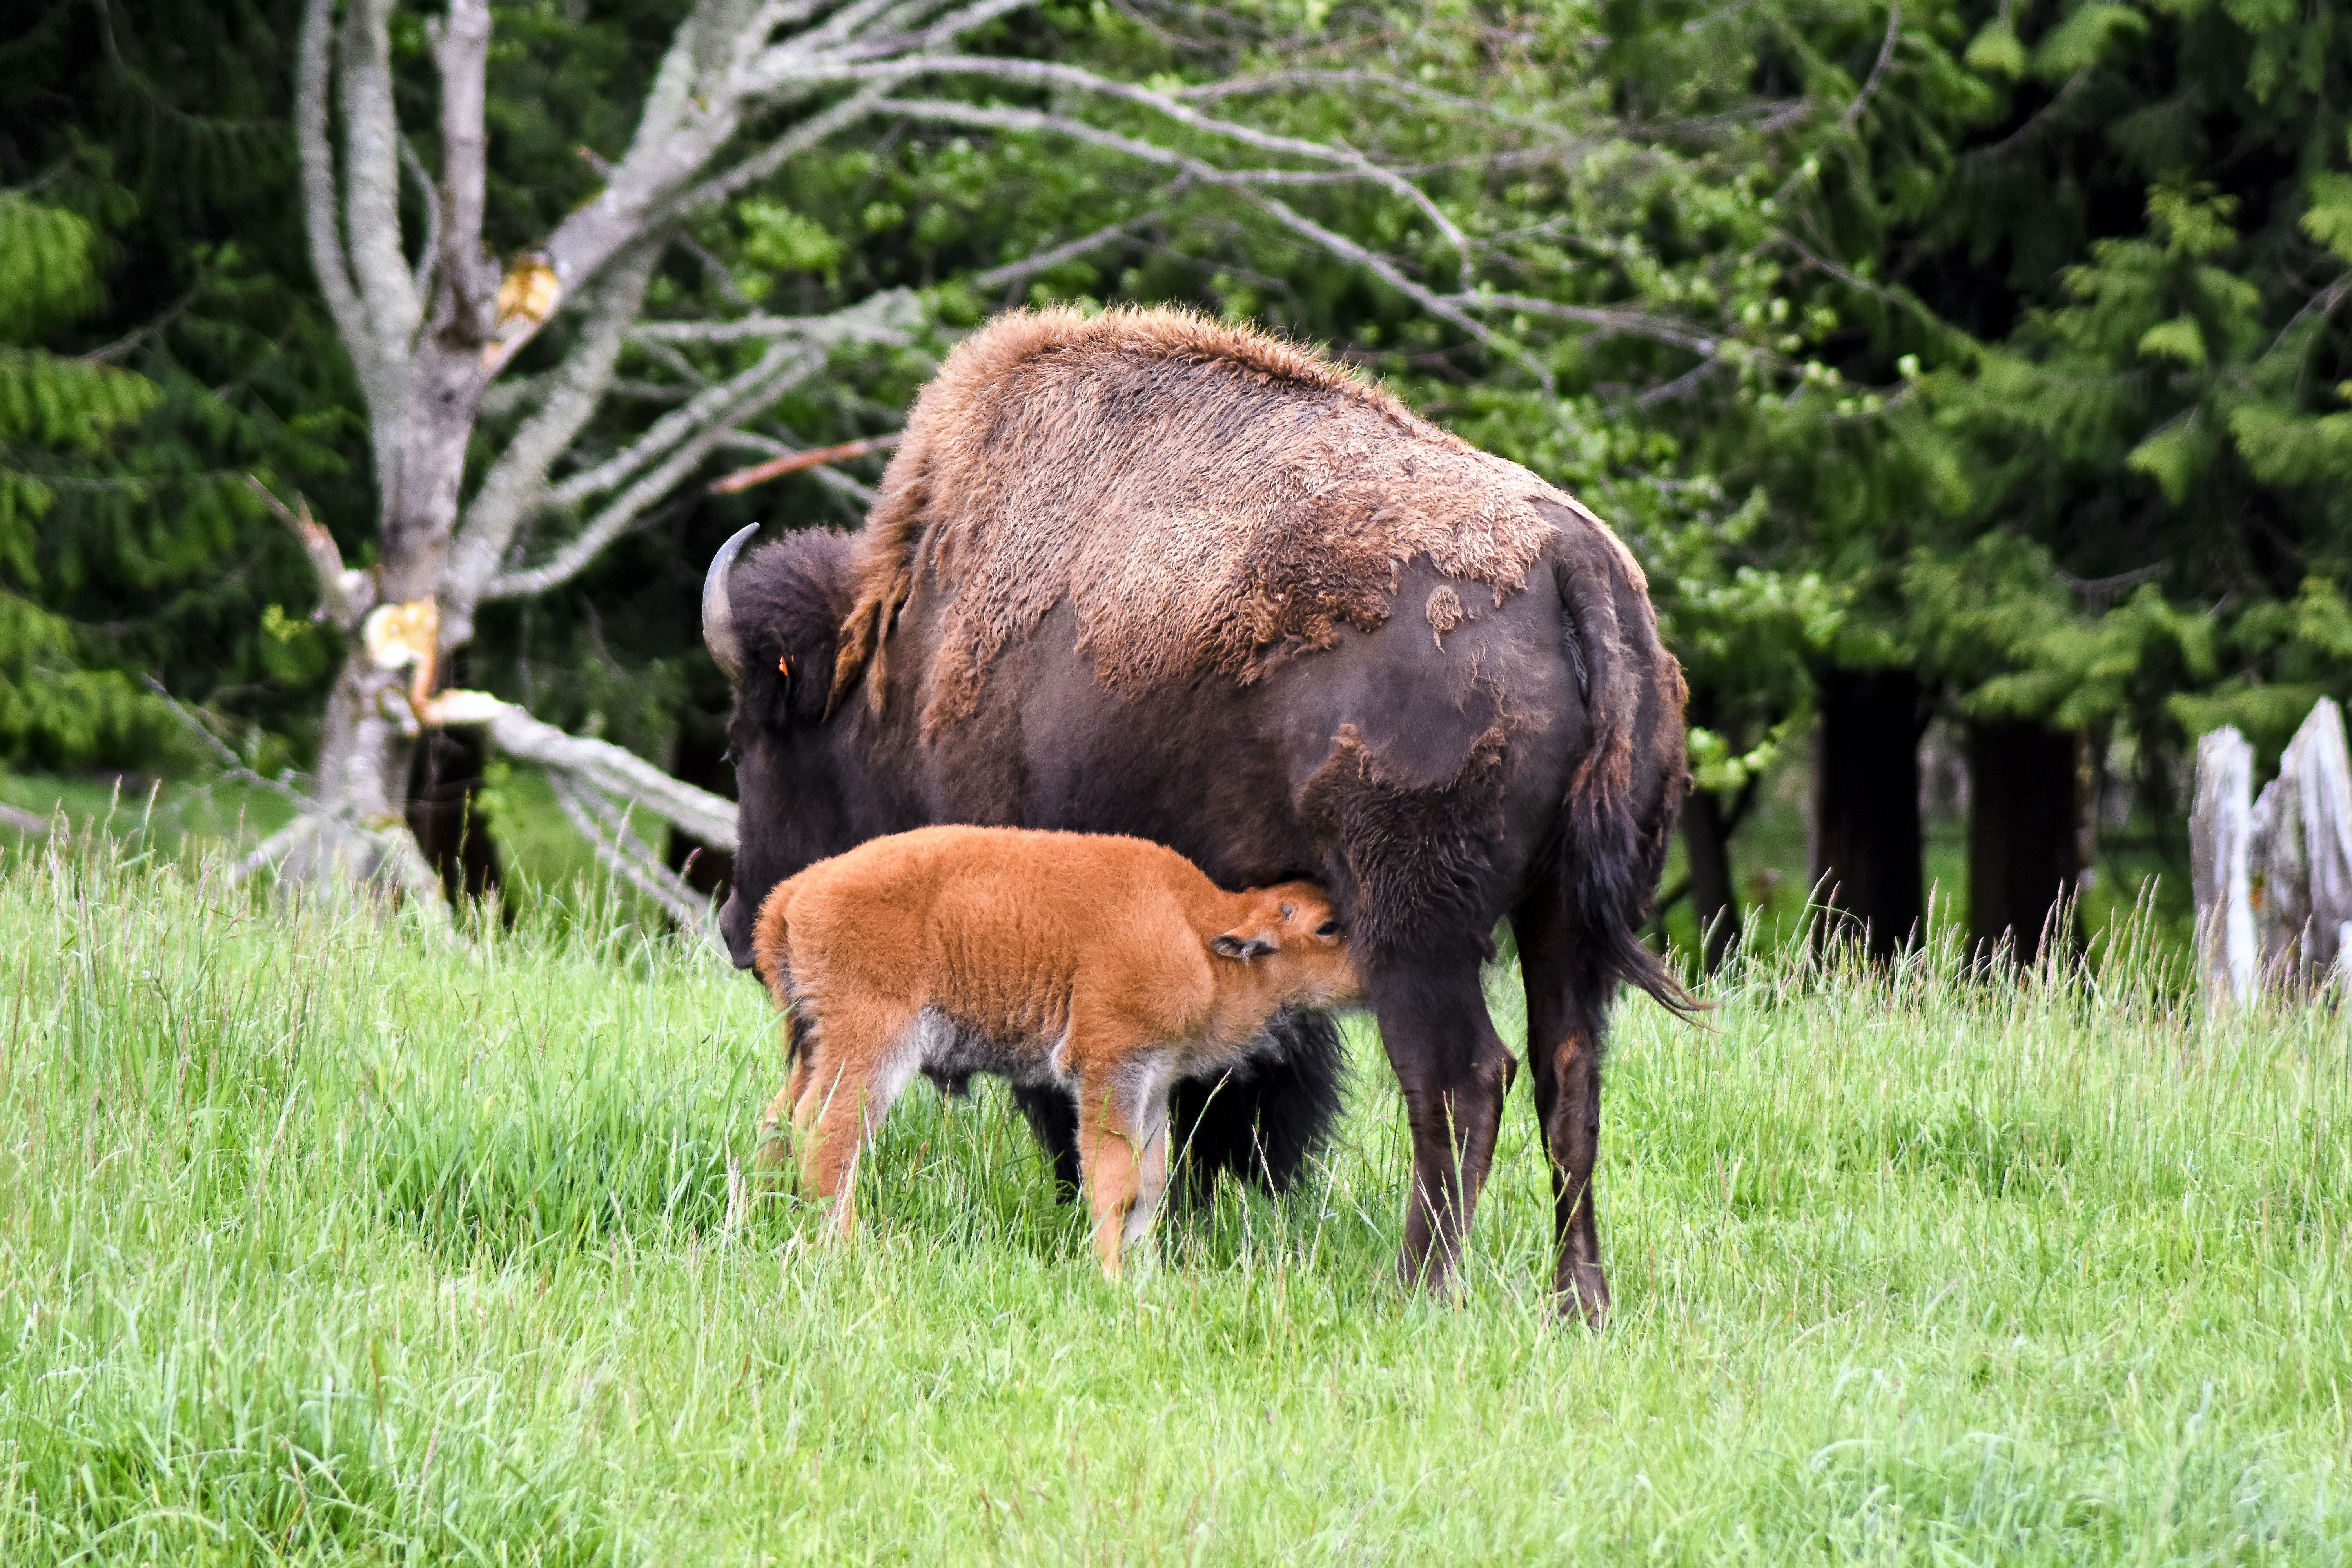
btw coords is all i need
(598, 765)
(25, 822)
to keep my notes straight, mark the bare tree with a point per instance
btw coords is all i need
(432, 321)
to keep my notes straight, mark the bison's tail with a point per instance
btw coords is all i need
(1628, 786)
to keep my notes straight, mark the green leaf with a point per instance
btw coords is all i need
(46, 273)
(1995, 51)
(2079, 42)
(2285, 447)
(2330, 221)
(2180, 339)
(2176, 456)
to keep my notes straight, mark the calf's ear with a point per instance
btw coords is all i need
(1240, 944)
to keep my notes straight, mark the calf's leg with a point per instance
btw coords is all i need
(1123, 1146)
(1454, 1071)
(773, 1148)
(848, 1086)
(1568, 1001)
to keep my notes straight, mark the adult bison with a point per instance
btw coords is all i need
(1143, 573)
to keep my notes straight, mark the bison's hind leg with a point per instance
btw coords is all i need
(1568, 1008)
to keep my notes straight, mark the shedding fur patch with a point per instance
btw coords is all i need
(1208, 498)
(1445, 612)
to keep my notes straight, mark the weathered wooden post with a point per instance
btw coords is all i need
(2302, 851)
(2220, 834)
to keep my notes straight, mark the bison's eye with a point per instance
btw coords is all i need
(1329, 928)
(1287, 911)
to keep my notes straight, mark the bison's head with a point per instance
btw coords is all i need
(773, 627)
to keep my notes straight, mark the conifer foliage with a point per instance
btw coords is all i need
(58, 413)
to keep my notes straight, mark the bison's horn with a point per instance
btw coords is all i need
(719, 613)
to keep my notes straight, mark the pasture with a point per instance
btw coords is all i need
(324, 1236)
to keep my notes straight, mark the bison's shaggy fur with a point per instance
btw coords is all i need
(1207, 498)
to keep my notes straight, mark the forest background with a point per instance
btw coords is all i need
(1970, 378)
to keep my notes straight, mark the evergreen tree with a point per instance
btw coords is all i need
(160, 128)
(58, 413)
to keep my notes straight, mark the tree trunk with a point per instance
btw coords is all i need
(368, 756)
(1714, 899)
(2024, 837)
(2221, 839)
(2300, 856)
(444, 789)
(1866, 807)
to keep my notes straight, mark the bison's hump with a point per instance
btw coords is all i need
(1206, 497)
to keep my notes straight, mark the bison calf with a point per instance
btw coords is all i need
(1108, 967)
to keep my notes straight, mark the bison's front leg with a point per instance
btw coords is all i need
(1454, 1071)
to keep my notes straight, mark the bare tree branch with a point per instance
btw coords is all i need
(1048, 73)
(793, 462)
(607, 767)
(462, 52)
(628, 857)
(372, 178)
(229, 763)
(516, 483)
(1853, 115)
(579, 553)
(320, 210)
(1380, 267)
(728, 332)
(808, 133)
(714, 406)
(428, 255)
(1383, 267)
(344, 596)
(886, 318)
(742, 440)
(1028, 267)
(513, 394)
(1609, 318)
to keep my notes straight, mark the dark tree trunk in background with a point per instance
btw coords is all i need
(2024, 828)
(1866, 805)
(444, 778)
(1707, 841)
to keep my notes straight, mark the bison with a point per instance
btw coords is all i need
(1144, 573)
(1093, 966)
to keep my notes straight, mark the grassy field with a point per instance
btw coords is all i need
(325, 1237)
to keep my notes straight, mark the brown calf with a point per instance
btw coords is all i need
(1108, 967)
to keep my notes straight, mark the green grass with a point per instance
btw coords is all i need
(322, 1238)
